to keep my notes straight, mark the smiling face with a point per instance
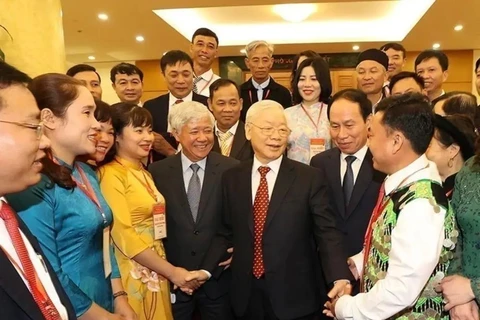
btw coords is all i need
(105, 140)
(134, 143)
(129, 88)
(433, 75)
(371, 76)
(179, 79)
(196, 138)
(308, 85)
(396, 62)
(22, 149)
(267, 147)
(204, 50)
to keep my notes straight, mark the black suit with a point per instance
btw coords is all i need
(159, 108)
(16, 301)
(352, 220)
(188, 241)
(273, 91)
(298, 214)
(241, 147)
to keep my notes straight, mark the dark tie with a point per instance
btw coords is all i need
(260, 208)
(39, 294)
(194, 190)
(178, 101)
(348, 179)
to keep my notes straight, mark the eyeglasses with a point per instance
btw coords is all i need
(268, 131)
(37, 127)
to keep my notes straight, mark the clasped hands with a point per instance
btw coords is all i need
(340, 288)
(459, 298)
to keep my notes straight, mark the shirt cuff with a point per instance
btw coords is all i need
(342, 308)
(346, 280)
(208, 273)
(358, 260)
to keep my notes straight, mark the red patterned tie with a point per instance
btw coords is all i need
(43, 301)
(260, 208)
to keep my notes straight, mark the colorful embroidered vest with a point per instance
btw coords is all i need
(429, 305)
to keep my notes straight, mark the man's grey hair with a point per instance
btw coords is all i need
(258, 107)
(252, 46)
(182, 113)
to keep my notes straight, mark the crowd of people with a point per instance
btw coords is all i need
(249, 202)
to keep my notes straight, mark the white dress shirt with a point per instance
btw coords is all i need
(203, 84)
(417, 240)
(171, 102)
(37, 261)
(260, 87)
(271, 175)
(232, 130)
(356, 165)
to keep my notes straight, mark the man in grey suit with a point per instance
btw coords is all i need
(191, 184)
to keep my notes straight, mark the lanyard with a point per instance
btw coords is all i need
(87, 189)
(449, 193)
(211, 78)
(145, 183)
(310, 117)
(382, 202)
(250, 95)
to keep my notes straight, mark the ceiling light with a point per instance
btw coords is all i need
(139, 38)
(243, 51)
(436, 45)
(355, 48)
(295, 12)
(458, 27)
(103, 16)
(91, 57)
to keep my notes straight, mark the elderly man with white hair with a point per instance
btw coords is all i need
(274, 208)
(191, 184)
(259, 59)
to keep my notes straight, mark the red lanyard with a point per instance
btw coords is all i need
(250, 95)
(146, 184)
(449, 193)
(87, 189)
(310, 117)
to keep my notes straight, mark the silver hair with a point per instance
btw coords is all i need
(261, 106)
(182, 113)
(252, 46)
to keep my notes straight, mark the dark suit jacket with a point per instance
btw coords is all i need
(273, 91)
(353, 220)
(16, 301)
(159, 108)
(298, 214)
(187, 241)
(241, 147)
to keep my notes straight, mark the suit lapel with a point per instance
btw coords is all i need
(364, 178)
(216, 145)
(333, 174)
(178, 186)
(285, 178)
(208, 184)
(163, 113)
(238, 140)
(244, 184)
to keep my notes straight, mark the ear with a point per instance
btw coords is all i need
(241, 103)
(191, 48)
(210, 104)
(248, 131)
(445, 75)
(176, 135)
(453, 150)
(271, 62)
(247, 63)
(368, 120)
(113, 86)
(48, 118)
(398, 141)
(404, 61)
(216, 53)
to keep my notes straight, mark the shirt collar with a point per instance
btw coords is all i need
(187, 162)
(273, 165)
(206, 75)
(402, 176)
(232, 130)
(360, 154)
(262, 85)
(172, 99)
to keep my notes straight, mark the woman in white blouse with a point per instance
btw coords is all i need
(307, 119)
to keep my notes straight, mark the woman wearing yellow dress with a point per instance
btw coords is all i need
(136, 204)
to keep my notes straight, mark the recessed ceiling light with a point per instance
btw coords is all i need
(436, 45)
(243, 51)
(91, 57)
(458, 27)
(103, 16)
(295, 12)
(139, 38)
(355, 48)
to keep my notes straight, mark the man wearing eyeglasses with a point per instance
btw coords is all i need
(29, 288)
(274, 207)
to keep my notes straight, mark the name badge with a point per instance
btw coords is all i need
(317, 145)
(107, 263)
(159, 221)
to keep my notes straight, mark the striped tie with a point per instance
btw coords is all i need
(195, 81)
(224, 145)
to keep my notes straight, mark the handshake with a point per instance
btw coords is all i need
(188, 281)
